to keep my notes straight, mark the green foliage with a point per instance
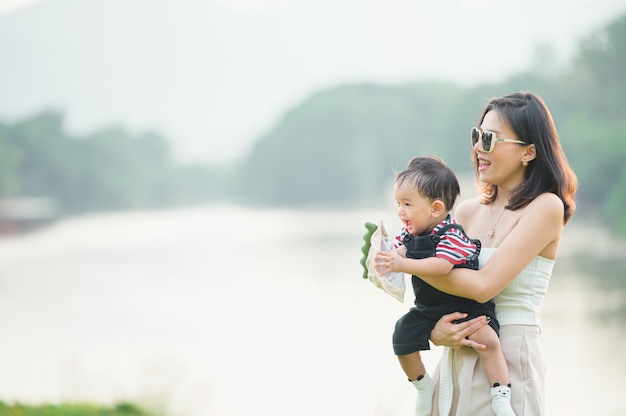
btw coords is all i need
(342, 143)
(113, 170)
(107, 170)
(614, 207)
(8, 163)
(599, 72)
(71, 409)
(200, 183)
(590, 147)
(596, 121)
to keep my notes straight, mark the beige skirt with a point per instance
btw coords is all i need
(468, 391)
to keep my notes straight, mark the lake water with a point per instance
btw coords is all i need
(228, 311)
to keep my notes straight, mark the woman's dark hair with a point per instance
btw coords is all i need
(530, 119)
(432, 178)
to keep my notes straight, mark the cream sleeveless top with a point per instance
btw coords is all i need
(520, 302)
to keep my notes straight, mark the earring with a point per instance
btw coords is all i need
(524, 163)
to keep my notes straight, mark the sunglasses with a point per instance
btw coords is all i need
(489, 139)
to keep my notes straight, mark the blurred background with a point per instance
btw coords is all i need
(183, 187)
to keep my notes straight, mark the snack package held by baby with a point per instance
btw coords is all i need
(392, 282)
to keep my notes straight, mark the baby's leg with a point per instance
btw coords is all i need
(492, 359)
(412, 365)
(416, 372)
(494, 363)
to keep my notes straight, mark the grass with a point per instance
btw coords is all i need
(72, 409)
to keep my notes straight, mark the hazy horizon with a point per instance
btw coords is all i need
(213, 76)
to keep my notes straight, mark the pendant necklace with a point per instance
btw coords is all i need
(492, 231)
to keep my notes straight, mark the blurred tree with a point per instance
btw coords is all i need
(39, 153)
(114, 170)
(108, 170)
(341, 144)
(600, 69)
(9, 157)
(597, 120)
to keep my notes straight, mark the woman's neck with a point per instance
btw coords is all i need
(503, 196)
(505, 191)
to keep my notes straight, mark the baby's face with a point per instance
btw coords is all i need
(414, 210)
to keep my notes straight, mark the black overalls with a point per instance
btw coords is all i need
(413, 329)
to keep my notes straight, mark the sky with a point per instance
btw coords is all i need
(8, 6)
(214, 75)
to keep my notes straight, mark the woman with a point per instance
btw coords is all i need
(526, 197)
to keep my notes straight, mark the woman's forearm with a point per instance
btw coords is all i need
(481, 285)
(460, 282)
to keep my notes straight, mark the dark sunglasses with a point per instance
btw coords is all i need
(489, 139)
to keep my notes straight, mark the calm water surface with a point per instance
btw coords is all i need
(228, 311)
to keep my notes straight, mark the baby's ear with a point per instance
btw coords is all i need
(437, 207)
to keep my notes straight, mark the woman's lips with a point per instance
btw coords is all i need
(483, 164)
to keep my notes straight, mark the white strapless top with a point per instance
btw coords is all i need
(520, 302)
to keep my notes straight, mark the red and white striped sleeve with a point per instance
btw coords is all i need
(455, 247)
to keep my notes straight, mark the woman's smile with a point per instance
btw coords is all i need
(483, 164)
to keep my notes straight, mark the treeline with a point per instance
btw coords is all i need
(339, 147)
(108, 170)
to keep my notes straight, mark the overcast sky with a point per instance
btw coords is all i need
(248, 61)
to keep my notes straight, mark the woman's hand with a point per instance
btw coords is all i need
(452, 335)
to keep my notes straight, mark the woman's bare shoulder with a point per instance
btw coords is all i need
(466, 209)
(468, 205)
(544, 213)
(547, 204)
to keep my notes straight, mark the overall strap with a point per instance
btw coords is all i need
(446, 227)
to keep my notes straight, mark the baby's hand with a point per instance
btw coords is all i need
(387, 261)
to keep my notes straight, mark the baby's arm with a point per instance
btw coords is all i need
(391, 262)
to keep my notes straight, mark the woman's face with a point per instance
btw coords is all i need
(503, 165)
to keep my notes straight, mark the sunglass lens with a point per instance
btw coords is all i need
(487, 141)
(475, 136)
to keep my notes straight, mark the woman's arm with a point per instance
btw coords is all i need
(537, 232)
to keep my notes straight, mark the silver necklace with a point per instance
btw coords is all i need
(492, 231)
